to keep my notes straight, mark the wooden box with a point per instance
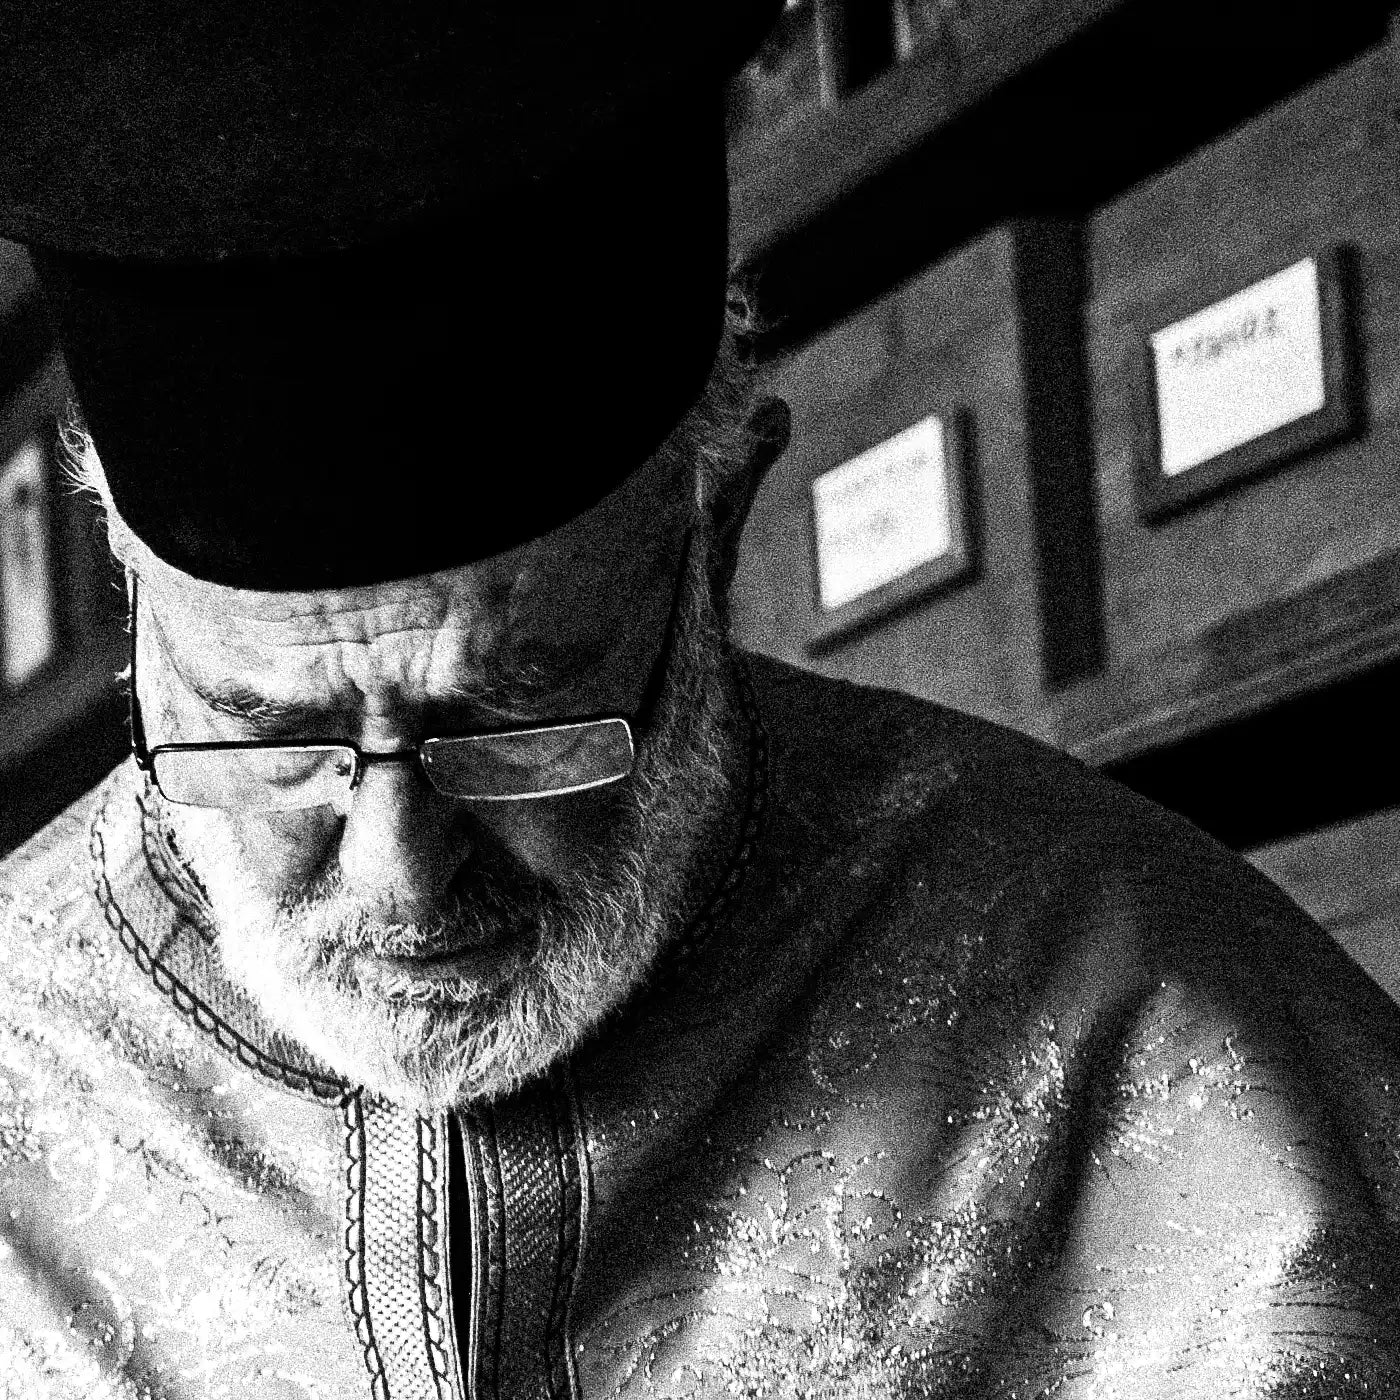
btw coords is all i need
(987, 338)
(1281, 582)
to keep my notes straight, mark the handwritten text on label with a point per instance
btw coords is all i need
(882, 513)
(1239, 369)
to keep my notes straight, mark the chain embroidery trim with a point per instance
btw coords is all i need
(432, 1251)
(527, 1173)
(354, 1270)
(568, 1140)
(431, 1245)
(394, 1251)
(191, 1006)
(493, 1253)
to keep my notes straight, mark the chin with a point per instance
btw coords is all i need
(578, 956)
(471, 1042)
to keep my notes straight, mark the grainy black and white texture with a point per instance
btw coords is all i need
(979, 1077)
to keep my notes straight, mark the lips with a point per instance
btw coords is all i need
(431, 950)
(441, 963)
(436, 952)
(403, 942)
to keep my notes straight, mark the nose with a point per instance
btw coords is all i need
(401, 840)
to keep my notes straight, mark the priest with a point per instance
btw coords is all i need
(482, 980)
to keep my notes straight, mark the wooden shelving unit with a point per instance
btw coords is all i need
(1017, 109)
(781, 186)
(1251, 653)
(61, 728)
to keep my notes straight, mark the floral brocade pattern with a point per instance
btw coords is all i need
(168, 1221)
(990, 1082)
(1021, 1090)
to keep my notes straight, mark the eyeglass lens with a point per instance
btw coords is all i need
(530, 763)
(484, 767)
(270, 780)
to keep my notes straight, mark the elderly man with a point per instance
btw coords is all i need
(484, 982)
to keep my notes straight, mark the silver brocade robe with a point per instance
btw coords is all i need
(982, 1078)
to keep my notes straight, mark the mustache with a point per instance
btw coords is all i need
(480, 906)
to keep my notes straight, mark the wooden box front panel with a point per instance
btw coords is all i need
(948, 340)
(1287, 581)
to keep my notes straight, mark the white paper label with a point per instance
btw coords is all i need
(26, 588)
(882, 514)
(1240, 369)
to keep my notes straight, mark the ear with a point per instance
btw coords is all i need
(768, 430)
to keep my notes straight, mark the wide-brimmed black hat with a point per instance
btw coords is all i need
(355, 292)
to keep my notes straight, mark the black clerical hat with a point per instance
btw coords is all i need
(352, 292)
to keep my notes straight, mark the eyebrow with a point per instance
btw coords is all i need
(259, 713)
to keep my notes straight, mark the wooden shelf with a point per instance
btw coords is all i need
(1056, 107)
(1286, 584)
(1249, 670)
(1303, 763)
(1289, 648)
(780, 186)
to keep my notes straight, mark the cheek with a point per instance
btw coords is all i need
(555, 836)
(283, 851)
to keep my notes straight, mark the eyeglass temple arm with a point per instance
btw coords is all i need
(135, 725)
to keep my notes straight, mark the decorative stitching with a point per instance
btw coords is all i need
(492, 1321)
(580, 1217)
(186, 1002)
(477, 1303)
(562, 1379)
(356, 1303)
(432, 1249)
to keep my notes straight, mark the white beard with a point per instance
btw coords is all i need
(596, 932)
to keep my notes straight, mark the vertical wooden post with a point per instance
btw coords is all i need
(1393, 48)
(902, 26)
(1049, 273)
(831, 50)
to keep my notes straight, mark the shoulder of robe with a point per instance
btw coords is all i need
(1112, 1019)
(997, 820)
(47, 902)
(45, 876)
(1011, 875)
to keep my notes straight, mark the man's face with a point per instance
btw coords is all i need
(432, 948)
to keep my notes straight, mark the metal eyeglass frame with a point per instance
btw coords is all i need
(145, 756)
